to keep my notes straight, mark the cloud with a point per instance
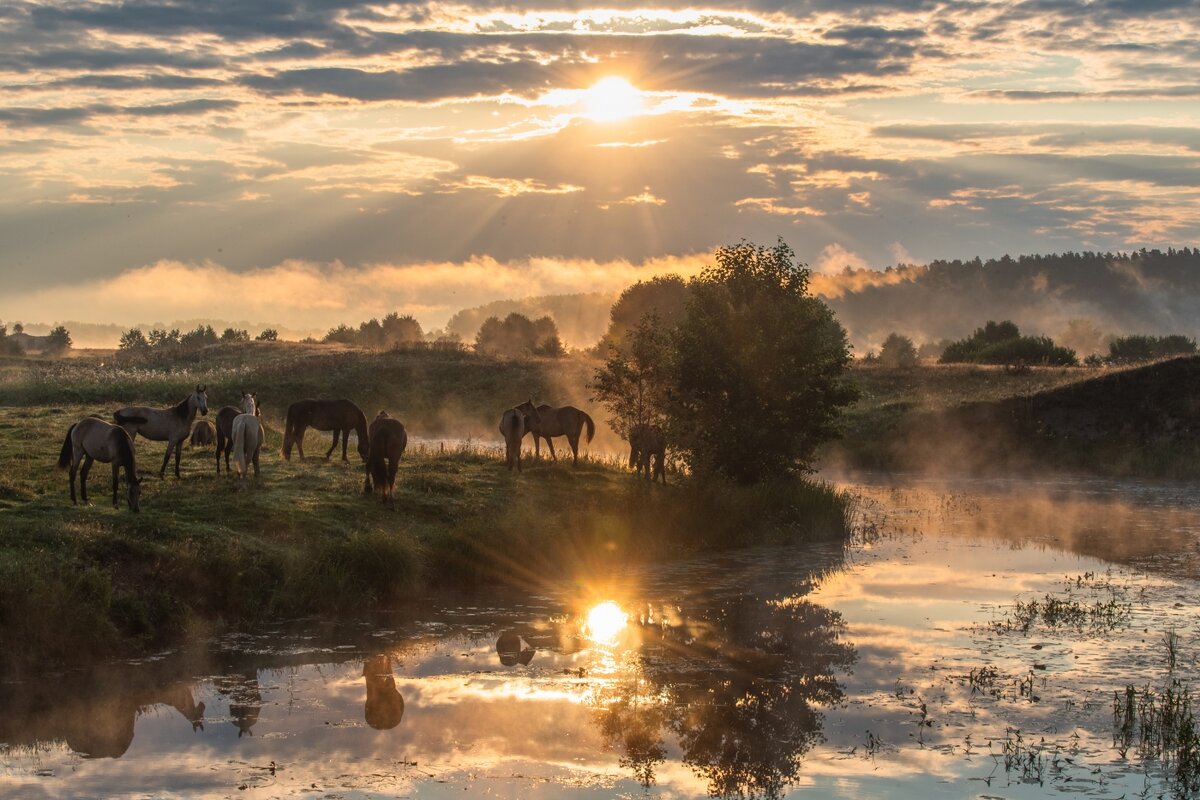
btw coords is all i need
(302, 294)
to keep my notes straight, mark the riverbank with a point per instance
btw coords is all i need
(82, 583)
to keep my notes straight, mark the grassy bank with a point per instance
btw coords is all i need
(1139, 421)
(77, 583)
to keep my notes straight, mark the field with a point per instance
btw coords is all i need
(78, 583)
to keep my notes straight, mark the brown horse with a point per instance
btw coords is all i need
(384, 707)
(339, 416)
(388, 440)
(513, 426)
(93, 439)
(225, 418)
(548, 421)
(202, 434)
(645, 441)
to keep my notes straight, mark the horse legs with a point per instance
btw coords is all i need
(333, 446)
(116, 475)
(393, 465)
(83, 473)
(74, 471)
(178, 453)
(345, 441)
(162, 473)
(550, 444)
(255, 460)
(662, 467)
(574, 442)
(220, 447)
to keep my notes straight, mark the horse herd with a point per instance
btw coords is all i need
(239, 432)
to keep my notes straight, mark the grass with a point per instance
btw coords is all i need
(79, 583)
(1161, 724)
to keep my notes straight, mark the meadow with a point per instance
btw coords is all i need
(79, 583)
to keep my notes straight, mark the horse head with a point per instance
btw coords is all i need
(249, 403)
(200, 398)
(135, 491)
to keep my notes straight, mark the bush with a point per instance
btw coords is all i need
(267, 335)
(898, 351)
(1002, 343)
(1125, 349)
(58, 341)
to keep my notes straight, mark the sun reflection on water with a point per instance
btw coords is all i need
(605, 622)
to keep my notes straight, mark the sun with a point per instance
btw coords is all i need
(612, 99)
(605, 622)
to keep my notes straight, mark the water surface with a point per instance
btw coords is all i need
(905, 664)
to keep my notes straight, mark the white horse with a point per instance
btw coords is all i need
(171, 425)
(247, 438)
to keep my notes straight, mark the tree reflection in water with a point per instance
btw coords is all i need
(736, 687)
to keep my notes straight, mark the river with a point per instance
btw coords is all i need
(970, 641)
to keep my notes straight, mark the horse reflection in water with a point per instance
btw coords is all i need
(512, 649)
(384, 706)
(245, 699)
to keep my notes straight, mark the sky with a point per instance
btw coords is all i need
(309, 162)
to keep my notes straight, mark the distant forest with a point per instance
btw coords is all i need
(1077, 298)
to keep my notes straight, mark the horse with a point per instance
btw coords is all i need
(388, 440)
(384, 707)
(247, 438)
(171, 425)
(339, 416)
(202, 434)
(547, 421)
(513, 426)
(225, 419)
(647, 440)
(93, 439)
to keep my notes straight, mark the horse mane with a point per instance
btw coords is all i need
(181, 408)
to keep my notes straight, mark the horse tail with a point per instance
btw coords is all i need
(289, 432)
(376, 462)
(68, 450)
(239, 445)
(591, 426)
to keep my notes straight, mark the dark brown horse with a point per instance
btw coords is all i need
(202, 434)
(513, 427)
(645, 441)
(388, 440)
(546, 421)
(225, 418)
(93, 439)
(339, 416)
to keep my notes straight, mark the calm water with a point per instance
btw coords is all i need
(902, 665)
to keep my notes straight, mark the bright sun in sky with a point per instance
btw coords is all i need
(612, 99)
(605, 622)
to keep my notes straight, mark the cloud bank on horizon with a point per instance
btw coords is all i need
(323, 157)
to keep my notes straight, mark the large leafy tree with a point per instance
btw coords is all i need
(758, 373)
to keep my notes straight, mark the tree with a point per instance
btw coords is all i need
(235, 335)
(160, 339)
(517, 335)
(758, 367)
(58, 341)
(665, 297)
(198, 337)
(400, 330)
(133, 341)
(267, 335)
(898, 351)
(342, 334)
(9, 346)
(1002, 343)
(633, 382)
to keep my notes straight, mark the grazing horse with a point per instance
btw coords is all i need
(547, 421)
(93, 439)
(165, 424)
(647, 440)
(513, 426)
(247, 438)
(202, 434)
(388, 440)
(339, 416)
(225, 419)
